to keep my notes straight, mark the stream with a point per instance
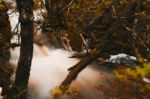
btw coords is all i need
(49, 69)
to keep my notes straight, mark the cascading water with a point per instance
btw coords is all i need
(49, 69)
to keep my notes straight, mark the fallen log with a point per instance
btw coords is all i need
(76, 69)
(90, 57)
(79, 55)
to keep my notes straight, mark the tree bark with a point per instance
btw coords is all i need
(101, 47)
(76, 69)
(5, 37)
(19, 89)
(55, 14)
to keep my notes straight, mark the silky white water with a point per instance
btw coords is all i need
(49, 69)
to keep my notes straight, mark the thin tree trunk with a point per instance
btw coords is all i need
(19, 89)
(55, 19)
(55, 14)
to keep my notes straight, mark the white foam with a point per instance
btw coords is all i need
(1, 93)
(49, 70)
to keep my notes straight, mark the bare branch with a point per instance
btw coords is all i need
(136, 37)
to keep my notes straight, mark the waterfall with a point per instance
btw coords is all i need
(49, 69)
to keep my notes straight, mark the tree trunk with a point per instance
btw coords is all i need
(102, 47)
(75, 70)
(92, 55)
(19, 89)
(55, 14)
(5, 36)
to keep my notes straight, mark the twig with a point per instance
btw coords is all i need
(37, 30)
(136, 37)
(12, 45)
(16, 28)
(12, 12)
(69, 7)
